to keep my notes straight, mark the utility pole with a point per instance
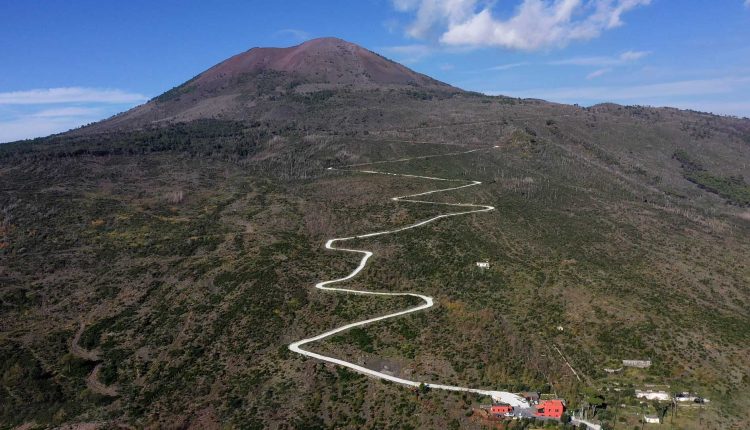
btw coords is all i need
(617, 411)
(674, 408)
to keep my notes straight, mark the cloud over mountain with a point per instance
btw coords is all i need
(535, 24)
(68, 95)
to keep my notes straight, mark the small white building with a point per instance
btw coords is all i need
(653, 395)
(483, 264)
(651, 419)
(686, 398)
(689, 397)
(637, 363)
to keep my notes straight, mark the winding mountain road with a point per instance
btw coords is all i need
(499, 396)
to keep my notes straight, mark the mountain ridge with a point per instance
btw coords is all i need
(263, 82)
(318, 56)
(279, 83)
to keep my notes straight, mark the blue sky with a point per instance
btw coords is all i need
(64, 64)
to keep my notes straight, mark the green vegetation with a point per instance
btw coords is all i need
(732, 188)
(358, 336)
(190, 252)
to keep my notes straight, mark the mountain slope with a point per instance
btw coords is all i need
(178, 257)
(324, 60)
(263, 82)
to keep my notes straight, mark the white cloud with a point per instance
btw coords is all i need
(408, 53)
(634, 55)
(509, 66)
(747, 3)
(597, 73)
(391, 25)
(718, 95)
(69, 95)
(41, 112)
(433, 13)
(31, 126)
(536, 24)
(416, 52)
(668, 89)
(601, 61)
(717, 107)
(604, 63)
(67, 112)
(293, 33)
(695, 87)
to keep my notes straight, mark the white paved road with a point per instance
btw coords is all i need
(500, 396)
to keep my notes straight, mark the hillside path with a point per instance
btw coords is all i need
(95, 385)
(468, 208)
(92, 380)
(77, 350)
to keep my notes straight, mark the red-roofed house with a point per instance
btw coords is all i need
(499, 409)
(550, 409)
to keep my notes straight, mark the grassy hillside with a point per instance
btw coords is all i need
(184, 259)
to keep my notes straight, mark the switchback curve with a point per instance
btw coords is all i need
(500, 396)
